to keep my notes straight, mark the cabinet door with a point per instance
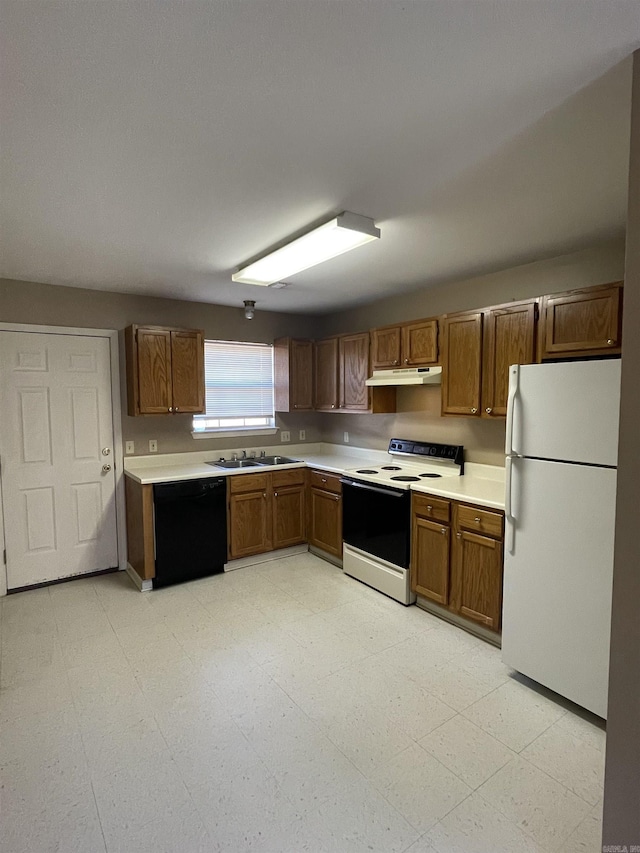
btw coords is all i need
(325, 515)
(430, 559)
(288, 516)
(462, 364)
(301, 356)
(586, 322)
(420, 343)
(509, 338)
(154, 371)
(385, 347)
(326, 374)
(187, 371)
(354, 371)
(249, 524)
(476, 574)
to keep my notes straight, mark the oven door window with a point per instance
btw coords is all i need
(377, 521)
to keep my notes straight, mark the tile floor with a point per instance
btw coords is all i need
(283, 707)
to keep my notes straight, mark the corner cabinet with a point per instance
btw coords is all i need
(165, 370)
(293, 375)
(582, 322)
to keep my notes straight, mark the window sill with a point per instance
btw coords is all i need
(231, 433)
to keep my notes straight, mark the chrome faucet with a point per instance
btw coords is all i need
(244, 454)
(263, 453)
(234, 456)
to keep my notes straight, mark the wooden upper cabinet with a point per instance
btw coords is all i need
(509, 338)
(187, 371)
(420, 343)
(165, 370)
(385, 347)
(354, 371)
(582, 322)
(407, 345)
(293, 374)
(462, 364)
(326, 375)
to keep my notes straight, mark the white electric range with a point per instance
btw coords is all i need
(376, 512)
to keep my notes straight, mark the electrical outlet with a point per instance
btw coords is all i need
(285, 435)
(153, 445)
(302, 435)
(130, 447)
(346, 438)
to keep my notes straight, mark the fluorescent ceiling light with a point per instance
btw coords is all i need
(339, 235)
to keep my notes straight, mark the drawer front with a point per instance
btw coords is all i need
(480, 521)
(290, 477)
(434, 509)
(327, 482)
(248, 483)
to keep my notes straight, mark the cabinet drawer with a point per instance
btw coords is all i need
(290, 477)
(434, 509)
(248, 483)
(327, 482)
(480, 521)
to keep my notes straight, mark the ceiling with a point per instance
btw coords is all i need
(154, 147)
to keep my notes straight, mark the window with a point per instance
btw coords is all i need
(238, 379)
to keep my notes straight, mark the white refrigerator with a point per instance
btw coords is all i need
(562, 449)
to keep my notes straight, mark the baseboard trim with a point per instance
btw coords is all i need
(267, 557)
(142, 585)
(459, 622)
(324, 555)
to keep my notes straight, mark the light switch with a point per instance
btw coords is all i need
(302, 435)
(153, 445)
(346, 438)
(130, 447)
(285, 435)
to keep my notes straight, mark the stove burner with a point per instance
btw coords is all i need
(366, 471)
(431, 475)
(391, 468)
(406, 479)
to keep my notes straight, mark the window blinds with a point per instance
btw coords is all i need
(238, 381)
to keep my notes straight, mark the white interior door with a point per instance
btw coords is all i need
(558, 578)
(57, 455)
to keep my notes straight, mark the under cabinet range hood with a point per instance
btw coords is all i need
(407, 376)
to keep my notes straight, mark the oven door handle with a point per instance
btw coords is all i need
(391, 493)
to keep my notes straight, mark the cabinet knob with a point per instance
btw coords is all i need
(395, 360)
(264, 494)
(275, 494)
(406, 361)
(458, 535)
(176, 409)
(324, 479)
(610, 342)
(295, 405)
(477, 519)
(443, 530)
(333, 405)
(474, 410)
(337, 498)
(488, 410)
(429, 508)
(170, 408)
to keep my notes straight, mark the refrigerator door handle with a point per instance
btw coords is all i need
(508, 512)
(514, 380)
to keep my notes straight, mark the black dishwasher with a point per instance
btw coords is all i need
(191, 530)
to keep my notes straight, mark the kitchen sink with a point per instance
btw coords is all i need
(275, 460)
(234, 463)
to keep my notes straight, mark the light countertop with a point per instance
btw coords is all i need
(481, 484)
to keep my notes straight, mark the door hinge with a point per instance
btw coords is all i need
(4, 556)
(536, 311)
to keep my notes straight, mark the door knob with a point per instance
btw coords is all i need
(106, 469)
(106, 451)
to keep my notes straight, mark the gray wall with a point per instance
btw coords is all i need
(43, 304)
(418, 414)
(622, 778)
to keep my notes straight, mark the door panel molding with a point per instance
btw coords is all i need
(116, 413)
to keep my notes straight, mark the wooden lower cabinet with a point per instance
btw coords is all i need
(288, 516)
(325, 521)
(458, 565)
(430, 559)
(266, 511)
